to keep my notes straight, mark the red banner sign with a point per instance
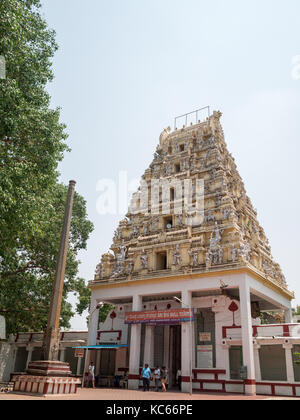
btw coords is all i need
(79, 353)
(171, 316)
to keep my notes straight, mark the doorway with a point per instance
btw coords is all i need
(175, 338)
(235, 361)
(107, 362)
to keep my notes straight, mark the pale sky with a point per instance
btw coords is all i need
(126, 68)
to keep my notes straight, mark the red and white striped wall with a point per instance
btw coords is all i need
(45, 385)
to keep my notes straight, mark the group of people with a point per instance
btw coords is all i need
(161, 378)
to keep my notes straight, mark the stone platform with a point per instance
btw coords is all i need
(45, 385)
(46, 378)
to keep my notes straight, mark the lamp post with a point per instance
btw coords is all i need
(191, 341)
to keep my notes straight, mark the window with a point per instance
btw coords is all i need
(296, 362)
(168, 222)
(181, 147)
(235, 361)
(177, 168)
(172, 194)
(107, 362)
(161, 261)
(272, 363)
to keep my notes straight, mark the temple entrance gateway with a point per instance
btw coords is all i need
(202, 249)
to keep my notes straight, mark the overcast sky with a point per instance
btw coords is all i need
(126, 68)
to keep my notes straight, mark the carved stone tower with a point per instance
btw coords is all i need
(150, 244)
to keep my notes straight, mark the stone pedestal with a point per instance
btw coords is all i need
(45, 385)
(46, 378)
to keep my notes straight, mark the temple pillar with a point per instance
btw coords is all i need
(186, 345)
(29, 356)
(78, 366)
(167, 346)
(149, 346)
(256, 348)
(135, 347)
(247, 336)
(288, 316)
(62, 354)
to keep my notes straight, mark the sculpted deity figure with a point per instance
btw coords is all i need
(146, 229)
(180, 221)
(122, 252)
(267, 268)
(192, 165)
(135, 231)
(144, 260)
(155, 223)
(118, 270)
(130, 267)
(209, 258)
(194, 255)
(234, 252)
(283, 281)
(216, 236)
(245, 251)
(220, 255)
(198, 143)
(177, 256)
(100, 270)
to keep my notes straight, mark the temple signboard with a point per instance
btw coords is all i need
(160, 317)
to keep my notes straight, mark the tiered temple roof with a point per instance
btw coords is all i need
(151, 242)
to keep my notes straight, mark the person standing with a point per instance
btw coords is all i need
(157, 378)
(146, 375)
(163, 379)
(91, 376)
(178, 379)
(167, 378)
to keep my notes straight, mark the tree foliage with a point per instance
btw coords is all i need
(32, 143)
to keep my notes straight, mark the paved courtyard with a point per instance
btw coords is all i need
(106, 394)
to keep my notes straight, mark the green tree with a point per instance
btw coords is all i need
(26, 278)
(32, 143)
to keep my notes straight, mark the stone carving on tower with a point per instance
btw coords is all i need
(227, 236)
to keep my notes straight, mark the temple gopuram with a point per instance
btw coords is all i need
(190, 275)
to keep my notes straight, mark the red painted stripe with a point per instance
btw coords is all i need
(278, 384)
(286, 331)
(211, 371)
(185, 379)
(250, 382)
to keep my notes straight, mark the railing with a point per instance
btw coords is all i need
(186, 116)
